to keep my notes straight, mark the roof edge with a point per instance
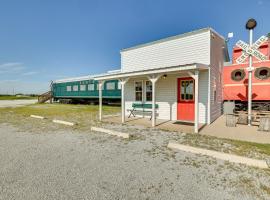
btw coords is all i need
(170, 38)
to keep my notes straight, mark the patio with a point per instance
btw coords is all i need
(217, 129)
(241, 132)
(166, 125)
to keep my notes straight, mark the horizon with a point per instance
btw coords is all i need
(44, 41)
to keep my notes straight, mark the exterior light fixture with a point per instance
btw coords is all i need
(164, 76)
(251, 24)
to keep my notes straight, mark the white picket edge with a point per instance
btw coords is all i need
(63, 122)
(37, 116)
(219, 155)
(110, 132)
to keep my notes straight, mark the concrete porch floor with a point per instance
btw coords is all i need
(160, 124)
(217, 129)
(241, 132)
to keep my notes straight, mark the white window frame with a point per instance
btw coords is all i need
(83, 87)
(136, 91)
(68, 88)
(75, 88)
(92, 87)
(110, 84)
(145, 91)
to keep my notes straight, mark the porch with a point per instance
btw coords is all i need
(166, 125)
(170, 93)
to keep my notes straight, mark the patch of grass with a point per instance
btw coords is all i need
(242, 148)
(13, 97)
(83, 115)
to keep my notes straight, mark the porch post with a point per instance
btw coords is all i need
(123, 111)
(153, 80)
(100, 83)
(196, 114)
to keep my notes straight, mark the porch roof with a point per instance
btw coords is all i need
(171, 69)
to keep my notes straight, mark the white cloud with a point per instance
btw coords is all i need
(11, 67)
(29, 73)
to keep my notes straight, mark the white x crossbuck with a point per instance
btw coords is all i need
(251, 50)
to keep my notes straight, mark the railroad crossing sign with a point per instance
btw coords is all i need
(251, 50)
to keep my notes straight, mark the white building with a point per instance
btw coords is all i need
(181, 75)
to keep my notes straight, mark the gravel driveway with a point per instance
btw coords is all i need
(74, 165)
(16, 103)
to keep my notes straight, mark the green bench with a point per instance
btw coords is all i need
(142, 108)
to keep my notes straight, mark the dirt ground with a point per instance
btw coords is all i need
(78, 164)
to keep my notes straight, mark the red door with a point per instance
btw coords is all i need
(185, 99)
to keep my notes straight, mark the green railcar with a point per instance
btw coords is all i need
(85, 89)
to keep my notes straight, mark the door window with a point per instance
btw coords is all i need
(187, 90)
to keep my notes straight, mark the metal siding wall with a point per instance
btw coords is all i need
(190, 49)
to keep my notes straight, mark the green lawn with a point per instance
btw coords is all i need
(12, 97)
(83, 115)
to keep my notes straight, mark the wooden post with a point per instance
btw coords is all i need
(123, 111)
(154, 79)
(100, 84)
(196, 121)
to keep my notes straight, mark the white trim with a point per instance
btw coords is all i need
(196, 101)
(171, 69)
(244, 84)
(81, 78)
(209, 97)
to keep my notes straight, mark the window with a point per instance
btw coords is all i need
(91, 87)
(215, 89)
(110, 86)
(119, 86)
(187, 91)
(262, 73)
(82, 87)
(238, 75)
(75, 88)
(148, 90)
(68, 88)
(138, 91)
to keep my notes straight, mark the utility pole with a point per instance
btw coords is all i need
(250, 25)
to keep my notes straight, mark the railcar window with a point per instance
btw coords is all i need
(82, 87)
(75, 88)
(238, 75)
(110, 86)
(91, 87)
(262, 73)
(68, 88)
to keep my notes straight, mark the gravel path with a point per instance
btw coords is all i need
(16, 103)
(73, 165)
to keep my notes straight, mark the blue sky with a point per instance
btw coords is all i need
(43, 40)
